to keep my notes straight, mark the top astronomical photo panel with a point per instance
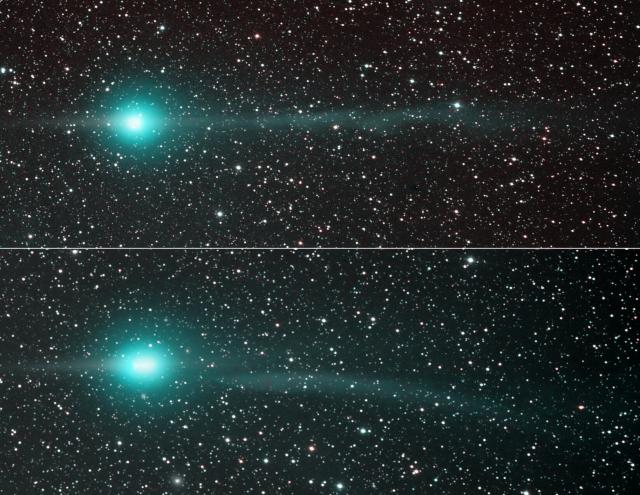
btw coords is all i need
(419, 124)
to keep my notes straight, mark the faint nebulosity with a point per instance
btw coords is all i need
(449, 123)
(319, 372)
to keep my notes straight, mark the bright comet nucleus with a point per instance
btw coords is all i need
(144, 365)
(134, 122)
(137, 123)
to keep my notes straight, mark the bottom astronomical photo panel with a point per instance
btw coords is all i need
(319, 372)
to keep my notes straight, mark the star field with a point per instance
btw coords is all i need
(319, 372)
(235, 141)
(450, 123)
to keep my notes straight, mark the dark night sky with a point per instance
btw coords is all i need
(320, 372)
(451, 123)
